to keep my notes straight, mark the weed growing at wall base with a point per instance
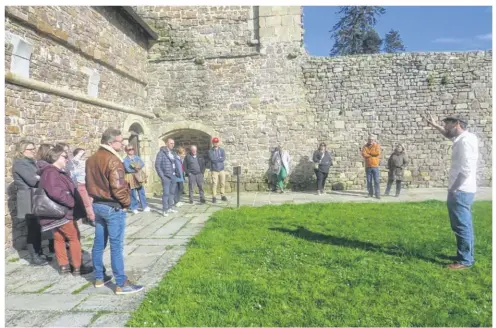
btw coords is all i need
(326, 265)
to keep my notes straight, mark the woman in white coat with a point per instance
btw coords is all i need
(280, 167)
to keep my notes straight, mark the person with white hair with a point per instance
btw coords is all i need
(194, 168)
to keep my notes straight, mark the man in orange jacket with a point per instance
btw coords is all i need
(372, 152)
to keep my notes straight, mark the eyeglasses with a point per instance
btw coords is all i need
(29, 149)
(129, 149)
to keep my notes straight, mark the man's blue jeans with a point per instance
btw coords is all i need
(373, 177)
(110, 224)
(169, 190)
(134, 198)
(459, 209)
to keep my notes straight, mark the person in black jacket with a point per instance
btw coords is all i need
(194, 168)
(323, 162)
(25, 180)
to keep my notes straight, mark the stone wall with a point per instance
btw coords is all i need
(244, 97)
(388, 95)
(69, 44)
(282, 95)
(188, 32)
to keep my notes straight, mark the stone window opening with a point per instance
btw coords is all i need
(21, 55)
(93, 83)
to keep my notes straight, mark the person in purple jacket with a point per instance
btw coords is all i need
(59, 186)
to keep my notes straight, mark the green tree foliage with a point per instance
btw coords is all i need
(393, 42)
(351, 33)
(371, 43)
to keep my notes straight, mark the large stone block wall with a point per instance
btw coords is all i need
(191, 32)
(67, 43)
(388, 95)
(97, 32)
(244, 99)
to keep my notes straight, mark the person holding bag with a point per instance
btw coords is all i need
(61, 191)
(25, 180)
(136, 177)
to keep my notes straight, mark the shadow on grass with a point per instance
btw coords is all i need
(303, 233)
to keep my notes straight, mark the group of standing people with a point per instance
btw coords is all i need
(173, 166)
(49, 173)
(55, 189)
(322, 158)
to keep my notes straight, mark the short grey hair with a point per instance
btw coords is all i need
(193, 146)
(109, 135)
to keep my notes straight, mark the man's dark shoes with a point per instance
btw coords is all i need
(377, 196)
(202, 200)
(458, 266)
(191, 201)
(214, 200)
(224, 198)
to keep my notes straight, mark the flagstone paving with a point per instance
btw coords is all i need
(39, 297)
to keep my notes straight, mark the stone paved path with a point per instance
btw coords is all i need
(39, 297)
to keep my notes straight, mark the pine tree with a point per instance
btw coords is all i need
(393, 42)
(353, 28)
(371, 43)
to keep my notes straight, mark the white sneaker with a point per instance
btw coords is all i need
(171, 211)
(135, 212)
(179, 204)
(146, 209)
(165, 214)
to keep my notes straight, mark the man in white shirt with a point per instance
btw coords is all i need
(461, 187)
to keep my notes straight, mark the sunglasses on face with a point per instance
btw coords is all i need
(129, 149)
(29, 149)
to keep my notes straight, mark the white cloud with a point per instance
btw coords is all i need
(485, 37)
(448, 40)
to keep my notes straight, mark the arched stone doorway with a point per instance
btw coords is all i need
(187, 137)
(135, 131)
(189, 133)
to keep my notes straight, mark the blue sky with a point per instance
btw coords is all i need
(423, 29)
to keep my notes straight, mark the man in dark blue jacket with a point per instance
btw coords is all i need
(165, 166)
(217, 156)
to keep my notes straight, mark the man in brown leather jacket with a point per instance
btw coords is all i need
(111, 197)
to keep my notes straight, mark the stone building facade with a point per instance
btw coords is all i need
(237, 72)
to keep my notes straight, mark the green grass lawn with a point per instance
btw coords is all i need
(341, 264)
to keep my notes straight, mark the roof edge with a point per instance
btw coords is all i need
(138, 20)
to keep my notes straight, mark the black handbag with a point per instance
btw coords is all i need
(43, 206)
